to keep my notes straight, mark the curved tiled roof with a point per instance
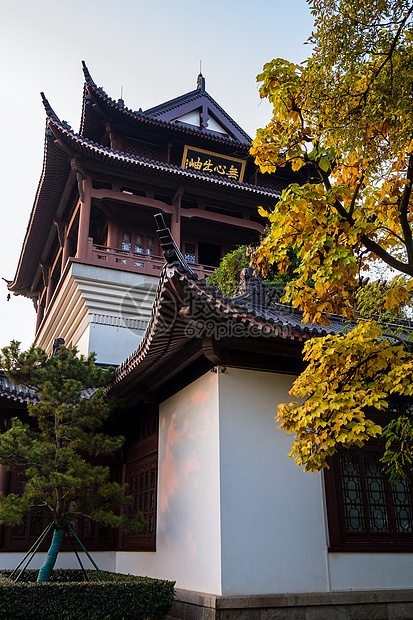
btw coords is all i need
(50, 113)
(192, 96)
(102, 153)
(23, 394)
(90, 125)
(60, 140)
(186, 309)
(187, 312)
(54, 175)
(17, 393)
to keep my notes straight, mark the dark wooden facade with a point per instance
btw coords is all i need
(136, 465)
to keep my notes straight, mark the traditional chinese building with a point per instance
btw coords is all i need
(242, 530)
(91, 259)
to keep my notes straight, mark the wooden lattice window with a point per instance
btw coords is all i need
(142, 149)
(365, 510)
(138, 243)
(142, 478)
(22, 536)
(190, 252)
(126, 241)
(150, 244)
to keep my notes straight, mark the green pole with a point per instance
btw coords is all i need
(88, 554)
(75, 552)
(33, 551)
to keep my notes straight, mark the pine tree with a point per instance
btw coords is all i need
(50, 447)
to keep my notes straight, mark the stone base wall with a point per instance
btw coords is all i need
(356, 605)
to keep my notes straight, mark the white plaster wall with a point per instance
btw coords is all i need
(99, 309)
(188, 524)
(273, 532)
(82, 343)
(112, 344)
(105, 560)
(370, 571)
(192, 118)
(235, 514)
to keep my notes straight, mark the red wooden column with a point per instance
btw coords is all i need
(51, 286)
(40, 313)
(176, 228)
(67, 247)
(84, 218)
(64, 242)
(113, 234)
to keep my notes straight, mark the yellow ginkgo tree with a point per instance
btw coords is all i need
(346, 113)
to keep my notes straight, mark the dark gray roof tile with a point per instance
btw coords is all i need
(15, 392)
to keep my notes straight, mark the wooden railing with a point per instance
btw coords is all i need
(132, 261)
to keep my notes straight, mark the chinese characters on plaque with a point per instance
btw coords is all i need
(213, 163)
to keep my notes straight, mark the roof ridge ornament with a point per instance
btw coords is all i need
(200, 83)
(253, 293)
(87, 75)
(49, 110)
(169, 248)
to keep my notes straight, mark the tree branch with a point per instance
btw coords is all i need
(408, 345)
(354, 198)
(388, 55)
(371, 245)
(404, 212)
(392, 233)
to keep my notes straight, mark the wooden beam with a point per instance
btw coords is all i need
(223, 219)
(117, 196)
(84, 218)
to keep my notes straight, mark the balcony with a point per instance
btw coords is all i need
(114, 258)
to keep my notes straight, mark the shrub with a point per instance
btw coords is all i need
(68, 597)
(227, 275)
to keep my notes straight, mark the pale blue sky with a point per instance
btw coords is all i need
(150, 48)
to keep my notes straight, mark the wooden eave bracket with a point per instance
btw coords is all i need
(210, 351)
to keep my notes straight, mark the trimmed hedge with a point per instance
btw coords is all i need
(67, 597)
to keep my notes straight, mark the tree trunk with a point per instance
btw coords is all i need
(50, 560)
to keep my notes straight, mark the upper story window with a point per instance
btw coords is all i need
(126, 241)
(208, 254)
(139, 243)
(189, 252)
